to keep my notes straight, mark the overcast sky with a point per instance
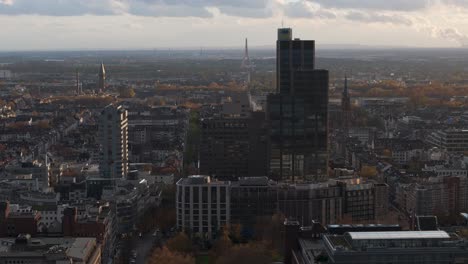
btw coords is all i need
(147, 24)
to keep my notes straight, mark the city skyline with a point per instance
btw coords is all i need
(121, 24)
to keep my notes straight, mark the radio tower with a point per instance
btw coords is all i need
(78, 84)
(246, 61)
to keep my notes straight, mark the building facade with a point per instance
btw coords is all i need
(113, 137)
(298, 113)
(233, 142)
(450, 140)
(203, 206)
(252, 198)
(395, 247)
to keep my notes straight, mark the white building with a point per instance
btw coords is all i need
(113, 138)
(203, 206)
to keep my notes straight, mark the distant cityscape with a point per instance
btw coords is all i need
(235, 155)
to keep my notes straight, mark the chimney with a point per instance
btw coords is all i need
(291, 228)
(69, 220)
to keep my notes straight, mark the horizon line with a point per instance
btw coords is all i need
(253, 47)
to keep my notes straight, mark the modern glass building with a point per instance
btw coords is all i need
(298, 113)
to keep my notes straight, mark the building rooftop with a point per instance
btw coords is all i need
(399, 235)
(200, 180)
(25, 246)
(254, 181)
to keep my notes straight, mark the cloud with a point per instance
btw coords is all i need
(161, 10)
(378, 18)
(156, 8)
(302, 9)
(56, 7)
(6, 2)
(399, 5)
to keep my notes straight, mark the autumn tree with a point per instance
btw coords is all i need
(166, 256)
(246, 253)
(368, 171)
(387, 153)
(269, 230)
(180, 243)
(43, 124)
(126, 92)
(235, 233)
(221, 245)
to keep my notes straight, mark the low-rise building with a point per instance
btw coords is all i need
(395, 247)
(20, 222)
(46, 250)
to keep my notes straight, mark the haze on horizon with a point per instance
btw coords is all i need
(148, 24)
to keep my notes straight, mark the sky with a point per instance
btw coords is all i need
(149, 24)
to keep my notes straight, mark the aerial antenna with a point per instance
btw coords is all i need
(282, 22)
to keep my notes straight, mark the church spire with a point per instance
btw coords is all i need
(102, 77)
(345, 90)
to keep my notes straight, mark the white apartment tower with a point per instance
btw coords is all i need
(113, 139)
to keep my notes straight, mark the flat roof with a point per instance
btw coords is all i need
(399, 235)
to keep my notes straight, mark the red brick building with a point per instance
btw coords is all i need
(13, 224)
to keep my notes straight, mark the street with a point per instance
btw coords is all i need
(143, 246)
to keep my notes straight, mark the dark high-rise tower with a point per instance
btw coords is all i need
(233, 142)
(102, 78)
(297, 113)
(345, 107)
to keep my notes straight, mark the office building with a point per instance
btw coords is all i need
(304, 245)
(113, 136)
(450, 140)
(322, 202)
(395, 247)
(298, 113)
(203, 205)
(233, 141)
(252, 198)
(364, 201)
(45, 250)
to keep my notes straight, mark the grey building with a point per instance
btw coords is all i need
(46, 250)
(251, 199)
(450, 140)
(322, 202)
(395, 247)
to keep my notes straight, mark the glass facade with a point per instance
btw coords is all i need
(298, 114)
